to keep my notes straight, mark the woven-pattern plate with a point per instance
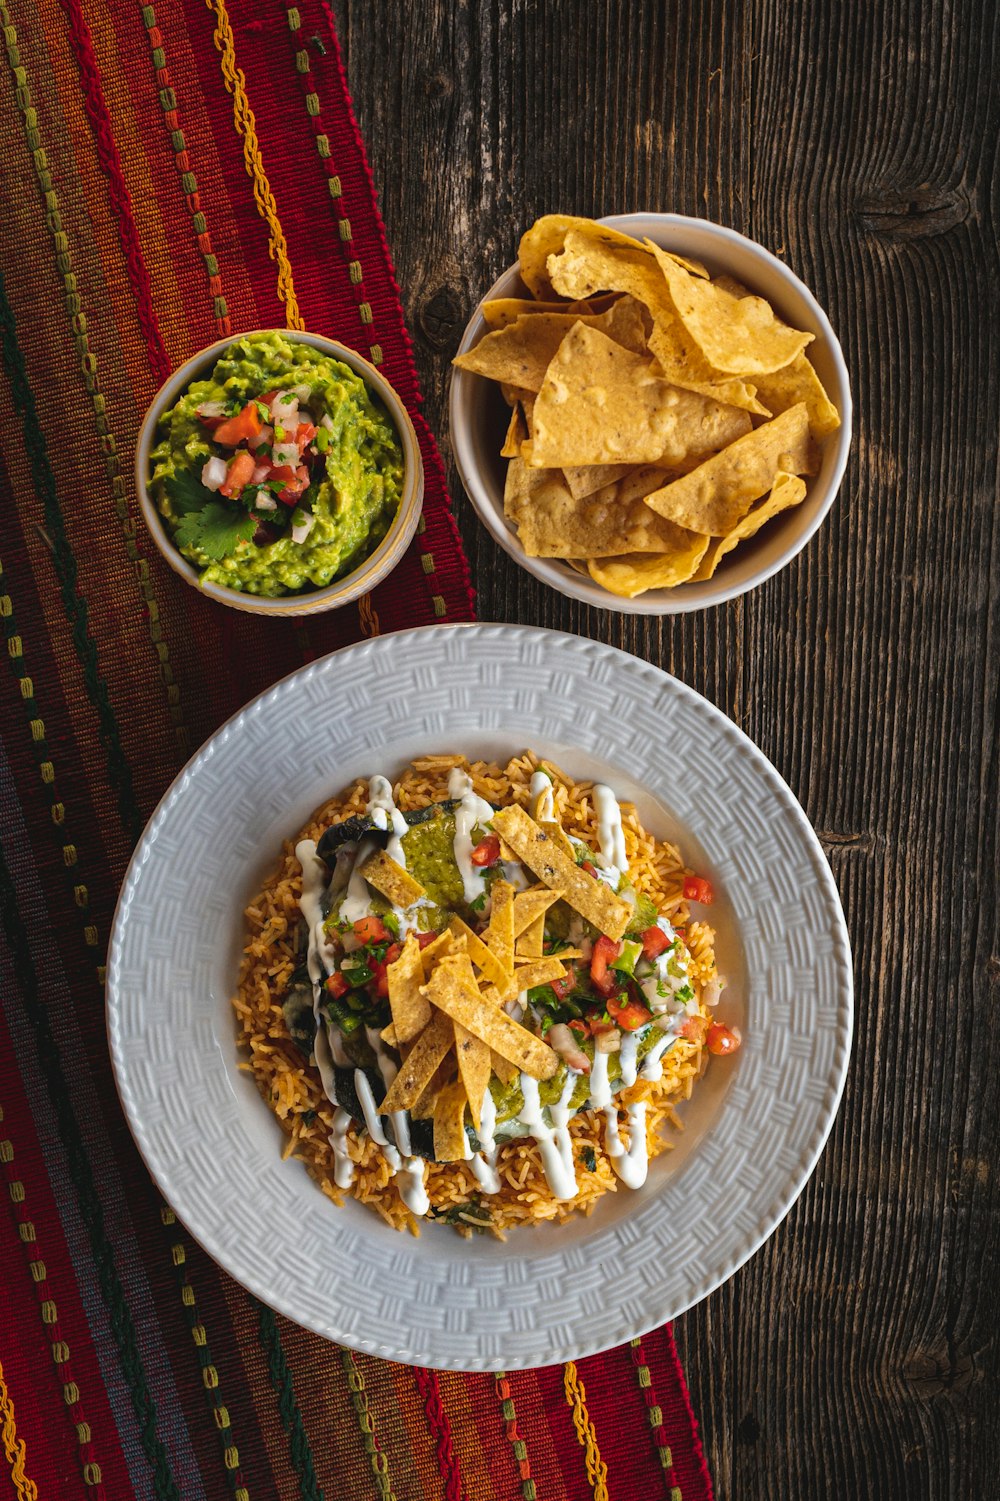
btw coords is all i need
(754, 1127)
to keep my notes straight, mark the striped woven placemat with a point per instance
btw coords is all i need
(171, 176)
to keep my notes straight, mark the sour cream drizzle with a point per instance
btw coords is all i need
(470, 811)
(631, 1163)
(358, 903)
(542, 803)
(343, 1167)
(327, 1046)
(554, 1142)
(610, 834)
(382, 808)
(484, 1163)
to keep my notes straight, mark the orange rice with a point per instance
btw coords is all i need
(292, 1088)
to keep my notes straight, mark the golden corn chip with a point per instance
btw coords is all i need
(529, 945)
(520, 353)
(512, 394)
(739, 336)
(637, 572)
(798, 382)
(450, 1139)
(395, 883)
(443, 1074)
(499, 935)
(602, 404)
(539, 972)
(418, 1067)
(500, 311)
(558, 835)
(529, 906)
(482, 957)
(452, 989)
(405, 975)
(474, 1068)
(593, 899)
(584, 479)
(517, 433)
(713, 497)
(787, 490)
(546, 237)
(504, 1070)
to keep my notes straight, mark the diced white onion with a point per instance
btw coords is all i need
(212, 409)
(265, 436)
(326, 421)
(260, 474)
(285, 453)
(285, 410)
(265, 503)
(302, 530)
(608, 1042)
(302, 392)
(306, 416)
(214, 473)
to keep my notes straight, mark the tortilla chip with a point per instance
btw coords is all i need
(798, 382)
(546, 237)
(450, 1140)
(520, 353)
(418, 1067)
(588, 261)
(584, 479)
(443, 1074)
(501, 311)
(504, 1071)
(713, 497)
(787, 490)
(499, 935)
(513, 394)
(474, 1068)
(529, 906)
(635, 573)
(393, 880)
(593, 899)
(739, 336)
(517, 433)
(405, 975)
(531, 941)
(453, 990)
(539, 972)
(482, 957)
(602, 404)
(558, 835)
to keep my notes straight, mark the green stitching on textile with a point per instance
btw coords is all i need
(91, 1210)
(209, 1374)
(47, 771)
(88, 370)
(75, 605)
(288, 1407)
(377, 1457)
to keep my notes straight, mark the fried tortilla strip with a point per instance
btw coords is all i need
(474, 1068)
(529, 945)
(449, 1123)
(529, 906)
(418, 1068)
(443, 1074)
(716, 495)
(504, 1070)
(558, 835)
(453, 990)
(499, 936)
(585, 894)
(443, 944)
(410, 1010)
(520, 353)
(517, 433)
(392, 880)
(482, 957)
(539, 972)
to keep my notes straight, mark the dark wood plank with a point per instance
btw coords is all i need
(856, 1354)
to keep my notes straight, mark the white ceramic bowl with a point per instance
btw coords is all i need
(479, 418)
(343, 590)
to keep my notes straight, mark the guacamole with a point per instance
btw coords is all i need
(280, 472)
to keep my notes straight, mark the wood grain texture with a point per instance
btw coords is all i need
(856, 1354)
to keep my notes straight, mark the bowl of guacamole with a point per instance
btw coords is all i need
(279, 472)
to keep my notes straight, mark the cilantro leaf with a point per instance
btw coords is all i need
(215, 530)
(186, 491)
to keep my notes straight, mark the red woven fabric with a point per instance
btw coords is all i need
(145, 219)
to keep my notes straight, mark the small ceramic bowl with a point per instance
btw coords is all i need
(479, 417)
(375, 567)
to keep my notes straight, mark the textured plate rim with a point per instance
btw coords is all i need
(751, 1241)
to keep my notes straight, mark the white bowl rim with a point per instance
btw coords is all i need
(342, 591)
(692, 597)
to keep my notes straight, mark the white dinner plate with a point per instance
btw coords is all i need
(754, 1126)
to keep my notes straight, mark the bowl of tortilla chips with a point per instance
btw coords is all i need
(651, 413)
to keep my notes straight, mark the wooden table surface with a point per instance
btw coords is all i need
(856, 1354)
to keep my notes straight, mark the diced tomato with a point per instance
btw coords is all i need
(590, 868)
(564, 986)
(605, 949)
(425, 938)
(336, 985)
(697, 889)
(239, 473)
(628, 1014)
(693, 1028)
(722, 1040)
(487, 852)
(370, 930)
(295, 486)
(654, 941)
(245, 425)
(579, 1025)
(598, 1026)
(304, 434)
(211, 422)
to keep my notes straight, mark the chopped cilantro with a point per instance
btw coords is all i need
(215, 530)
(479, 904)
(186, 492)
(589, 1159)
(308, 1116)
